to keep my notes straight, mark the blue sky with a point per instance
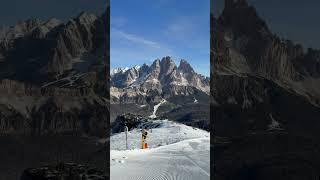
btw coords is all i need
(291, 19)
(143, 30)
(12, 11)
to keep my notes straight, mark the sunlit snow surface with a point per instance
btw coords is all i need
(176, 151)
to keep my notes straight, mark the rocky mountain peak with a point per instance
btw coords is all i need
(28, 25)
(167, 60)
(86, 18)
(144, 65)
(155, 64)
(185, 67)
(41, 31)
(243, 18)
(53, 22)
(144, 68)
(229, 4)
(167, 65)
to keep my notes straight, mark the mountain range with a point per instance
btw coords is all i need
(140, 88)
(41, 51)
(53, 75)
(265, 97)
(162, 77)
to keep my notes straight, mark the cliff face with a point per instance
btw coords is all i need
(252, 67)
(53, 76)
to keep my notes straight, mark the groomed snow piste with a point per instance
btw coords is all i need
(176, 152)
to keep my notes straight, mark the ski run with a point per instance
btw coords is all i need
(176, 152)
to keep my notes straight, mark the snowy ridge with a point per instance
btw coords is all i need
(119, 70)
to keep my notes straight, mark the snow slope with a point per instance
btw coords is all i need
(176, 151)
(155, 108)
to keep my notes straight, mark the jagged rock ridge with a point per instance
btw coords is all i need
(162, 79)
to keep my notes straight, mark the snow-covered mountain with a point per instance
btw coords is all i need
(162, 89)
(162, 78)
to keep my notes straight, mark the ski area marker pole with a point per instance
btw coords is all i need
(126, 130)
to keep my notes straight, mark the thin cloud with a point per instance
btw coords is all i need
(188, 30)
(135, 39)
(181, 27)
(118, 21)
